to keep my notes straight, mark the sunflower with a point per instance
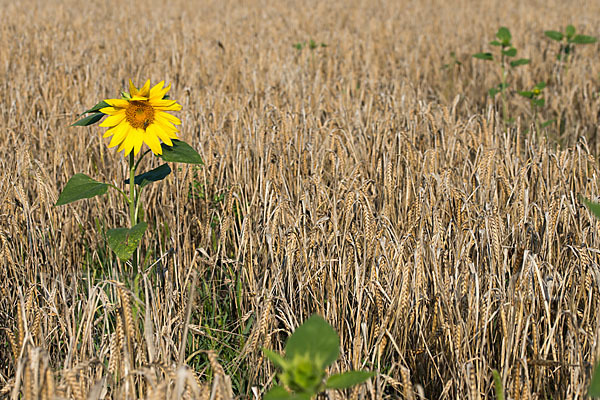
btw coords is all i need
(141, 118)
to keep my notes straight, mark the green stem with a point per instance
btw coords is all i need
(132, 205)
(503, 88)
(132, 213)
(120, 191)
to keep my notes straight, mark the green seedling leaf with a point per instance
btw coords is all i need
(312, 44)
(595, 209)
(316, 339)
(570, 31)
(275, 358)
(347, 379)
(503, 86)
(504, 35)
(583, 39)
(124, 241)
(538, 102)
(493, 92)
(484, 56)
(510, 52)
(547, 123)
(554, 35)
(157, 174)
(89, 120)
(298, 46)
(495, 43)
(498, 385)
(520, 61)
(594, 388)
(540, 85)
(180, 152)
(526, 93)
(80, 186)
(279, 393)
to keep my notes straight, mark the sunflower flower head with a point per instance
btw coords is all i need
(141, 117)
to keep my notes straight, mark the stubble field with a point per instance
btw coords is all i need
(370, 181)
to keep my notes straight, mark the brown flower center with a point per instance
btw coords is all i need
(139, 114)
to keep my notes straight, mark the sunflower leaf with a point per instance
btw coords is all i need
(180, 152)
(316, 339)
(80, 186)
(347, 379)
(96, 108)
(154, 175)
(89, 120)
(124, 241)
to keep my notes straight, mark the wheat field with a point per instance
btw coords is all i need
(370, 180)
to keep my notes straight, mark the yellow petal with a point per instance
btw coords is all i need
(156, 88)
(132, 89)
(159, 94)
(152, 141)
(139, 98)
(167, 127)
(110, 132)
(165, 105)
(134, 138)
(139, 140)
(167, 117)
(145, 90)
(162, 134)
(111, 110)
(120, 133)
(118, 103)
(113, 120)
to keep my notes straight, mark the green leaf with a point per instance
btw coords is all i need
(550, 121)
(504, 35)
(124, 241)
(520, 61)
(279, 393)
(89, 120)
(583, 39)
(275, 358)
(157, 174)
(554, 35)
(594, 388)
(498, 385)
(316, 339)
(594, 208)
(526, 93)
(495, 43)
(540, 85)
(80, 186)
(484, 56)
(570, 31)
(493, 92)
(510, 52)
(180, 152)
(347, 379)
(96, 108)
(538, 102)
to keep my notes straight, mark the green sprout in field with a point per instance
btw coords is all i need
(314, 346)
(536, 102)
(139, 116)
(568, 40)
(311, 45)
(506, 52)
